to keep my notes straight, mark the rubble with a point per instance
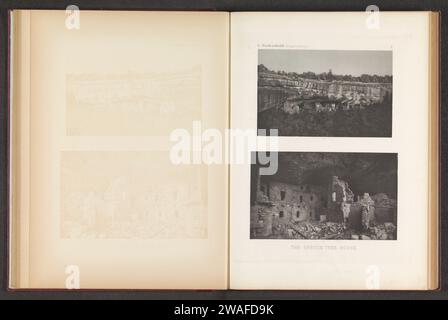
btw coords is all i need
(384, 231)
(332, 230)
(318, 230)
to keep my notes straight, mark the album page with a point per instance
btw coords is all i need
(99, 199)
(341, 102)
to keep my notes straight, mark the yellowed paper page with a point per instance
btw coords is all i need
(107, 206)
(299, 232)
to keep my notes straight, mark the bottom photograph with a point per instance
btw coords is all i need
(325, 195)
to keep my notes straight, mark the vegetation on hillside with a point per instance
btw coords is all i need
(372, 121)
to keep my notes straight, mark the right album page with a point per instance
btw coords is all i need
(334, 192)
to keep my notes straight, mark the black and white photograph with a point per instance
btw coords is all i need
(326, 195)
(329, 93)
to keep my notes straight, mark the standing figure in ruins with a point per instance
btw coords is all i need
(345, 208)
(367, 210)
(275, 224)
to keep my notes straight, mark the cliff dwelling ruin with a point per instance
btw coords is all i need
(334, 105)
(322, 205)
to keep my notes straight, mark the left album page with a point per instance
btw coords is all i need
(102, 104)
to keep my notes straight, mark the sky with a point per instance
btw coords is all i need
(351, 62)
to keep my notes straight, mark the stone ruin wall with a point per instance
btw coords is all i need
(300, 203)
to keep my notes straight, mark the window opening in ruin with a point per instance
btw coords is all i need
(282, 195)
(301, 199)
(281, 214)
(311, 198)
(297, 213)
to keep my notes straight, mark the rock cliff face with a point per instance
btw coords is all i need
(365, 172)
(273, 89)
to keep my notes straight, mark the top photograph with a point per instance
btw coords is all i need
(325, 93)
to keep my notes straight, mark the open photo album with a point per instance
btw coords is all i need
(217, 150)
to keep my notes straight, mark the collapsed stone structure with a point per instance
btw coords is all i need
(288, 210)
